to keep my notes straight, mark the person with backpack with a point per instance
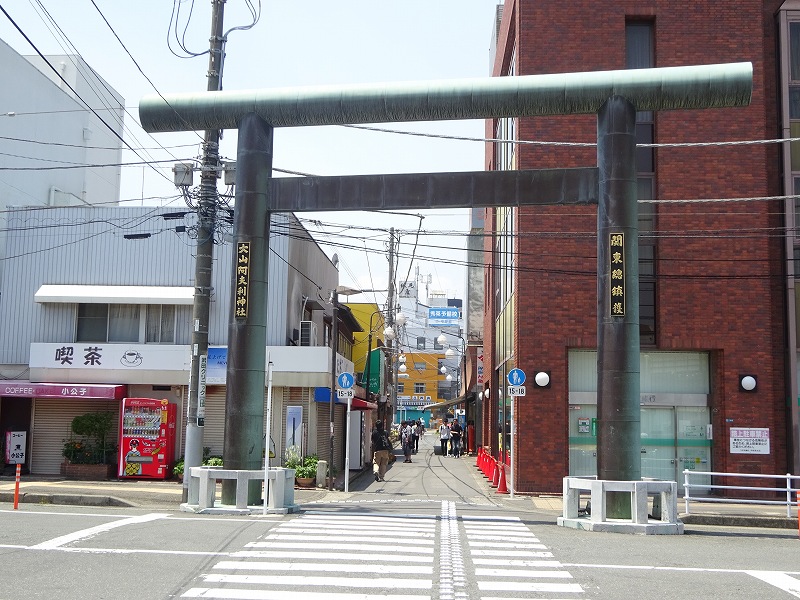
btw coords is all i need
(444, 436)
(381, 447)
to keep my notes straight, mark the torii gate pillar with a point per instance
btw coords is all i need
(619, 427)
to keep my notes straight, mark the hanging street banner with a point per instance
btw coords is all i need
(376, 367)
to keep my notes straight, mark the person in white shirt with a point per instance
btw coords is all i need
(444, 436)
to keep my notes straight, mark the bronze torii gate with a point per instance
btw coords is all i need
(614, 96)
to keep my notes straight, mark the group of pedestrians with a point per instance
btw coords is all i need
(410, 434)
(451, 434)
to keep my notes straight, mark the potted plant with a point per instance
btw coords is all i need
(177, 470)
(88, 452)
(305, 468)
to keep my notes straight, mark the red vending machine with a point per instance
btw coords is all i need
(146, 438)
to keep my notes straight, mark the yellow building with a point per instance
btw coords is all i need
(371, 319)
(424, 385)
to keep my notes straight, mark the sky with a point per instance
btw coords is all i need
(315, 42)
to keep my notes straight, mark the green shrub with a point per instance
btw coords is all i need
(92, 446)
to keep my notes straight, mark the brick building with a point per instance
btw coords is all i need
(714, 305)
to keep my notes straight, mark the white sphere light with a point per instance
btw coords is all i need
(443, 370)
(402, 368)
(402, 358)
(542, 379)
(486, 393)
(450, 353)
(400, 319)
(442, 339)
(449, 377)
(748, 383)
(388, 333)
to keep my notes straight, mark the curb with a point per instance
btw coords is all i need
(66, 499)
(739, 521)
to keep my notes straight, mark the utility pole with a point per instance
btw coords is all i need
(207, 217)
(334, 351)
(390, 397)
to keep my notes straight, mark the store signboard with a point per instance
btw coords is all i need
(443, 316)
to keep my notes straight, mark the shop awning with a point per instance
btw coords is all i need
(323, 394)
(115, 294)
(96, 391)
(446, 404)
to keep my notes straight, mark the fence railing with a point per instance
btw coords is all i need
(792, 486)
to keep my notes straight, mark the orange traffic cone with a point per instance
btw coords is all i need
(496, 475)
(501, 484)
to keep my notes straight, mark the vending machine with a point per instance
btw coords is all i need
(146, 438)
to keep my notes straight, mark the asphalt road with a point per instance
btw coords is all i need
(432, 531)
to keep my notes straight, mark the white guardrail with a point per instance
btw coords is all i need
(789, 488)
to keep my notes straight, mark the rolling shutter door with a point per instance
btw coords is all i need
(214, 430)
(323, 430)
(52, 418)
(340, 416)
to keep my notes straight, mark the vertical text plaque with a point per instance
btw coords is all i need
(616, 258)
(242, 278)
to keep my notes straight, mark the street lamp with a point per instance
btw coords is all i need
(389, 334)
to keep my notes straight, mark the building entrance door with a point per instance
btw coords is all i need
(674, 439)
(15, 415)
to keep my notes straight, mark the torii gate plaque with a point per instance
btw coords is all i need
(614, 96)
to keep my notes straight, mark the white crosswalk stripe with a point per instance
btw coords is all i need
(329, 557)
(509, 559)
(319, 556)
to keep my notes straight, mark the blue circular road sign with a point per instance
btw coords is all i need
(345, 380)
(516, 377)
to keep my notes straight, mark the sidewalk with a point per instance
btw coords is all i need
(166, 495)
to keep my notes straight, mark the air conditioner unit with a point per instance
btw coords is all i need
(308, 333)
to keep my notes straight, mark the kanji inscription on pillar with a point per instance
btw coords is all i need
(242, 278)
(616, 260)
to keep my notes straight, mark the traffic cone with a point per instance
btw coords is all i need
(485, 465)
(479, 457)
(496, 475)
(501, 484)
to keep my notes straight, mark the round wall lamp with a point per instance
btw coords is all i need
(486, 393)
(542, 379)
(748, 383)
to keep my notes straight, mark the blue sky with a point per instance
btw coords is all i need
(296, 44)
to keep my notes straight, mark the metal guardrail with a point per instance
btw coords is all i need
(788, 489)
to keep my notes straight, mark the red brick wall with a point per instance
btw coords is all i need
(715, 292)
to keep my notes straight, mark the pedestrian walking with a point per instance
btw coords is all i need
(405, 438)
(444, 436)
(381, 446)
(455, 438)
(419, 430)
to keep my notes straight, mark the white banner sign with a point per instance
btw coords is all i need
(749, 440)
